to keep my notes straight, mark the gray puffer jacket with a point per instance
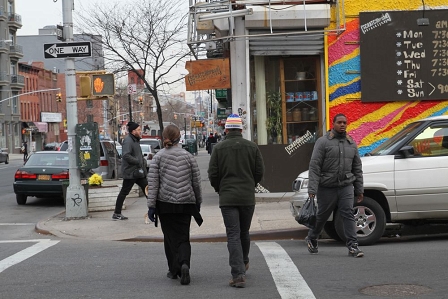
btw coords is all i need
(335, 162)
(174, 177)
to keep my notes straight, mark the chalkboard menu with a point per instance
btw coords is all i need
(402, 61)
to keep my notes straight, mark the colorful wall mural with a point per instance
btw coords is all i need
(370, 124)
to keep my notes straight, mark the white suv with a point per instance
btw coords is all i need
(405, 181)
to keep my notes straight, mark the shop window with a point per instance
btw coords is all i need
(286, 99)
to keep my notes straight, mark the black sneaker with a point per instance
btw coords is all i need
(185, 274)
(171, 275)
(355, 251)
(312, 245)
(119, 217)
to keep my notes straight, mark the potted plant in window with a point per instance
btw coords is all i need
(274, 117)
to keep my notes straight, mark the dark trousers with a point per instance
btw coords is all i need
(327, 200)
(237, 221)
(176, 239)
(125, 189)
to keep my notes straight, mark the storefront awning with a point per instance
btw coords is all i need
(40, 127)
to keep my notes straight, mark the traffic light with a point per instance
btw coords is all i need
(58, 97)
(86, 86)
(103, 85)
(140, 100)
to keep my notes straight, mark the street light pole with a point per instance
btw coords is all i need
(76, 204)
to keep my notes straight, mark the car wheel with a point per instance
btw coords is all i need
(330, 230)
(21, 199)
(370, 222)
(7, 160)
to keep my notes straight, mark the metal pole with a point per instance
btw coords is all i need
(76, 204)
(130, 107)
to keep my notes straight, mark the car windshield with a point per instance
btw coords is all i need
(153, 142)
(145, 147)
(47, 160)
(390, 145)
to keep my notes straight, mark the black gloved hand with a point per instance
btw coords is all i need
(152, 214)
(198, 205)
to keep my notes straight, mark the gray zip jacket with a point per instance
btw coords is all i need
(335, 162)
(174, 177)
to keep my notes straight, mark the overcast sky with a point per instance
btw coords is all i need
(39, 13)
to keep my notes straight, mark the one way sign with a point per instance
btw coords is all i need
(61, 50)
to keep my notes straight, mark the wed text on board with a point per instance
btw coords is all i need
(400, 60)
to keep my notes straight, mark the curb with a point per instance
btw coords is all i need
(284, 234)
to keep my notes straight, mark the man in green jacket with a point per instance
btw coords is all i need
(236, 167)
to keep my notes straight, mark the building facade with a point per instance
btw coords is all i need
(297, 64)
(10, 81)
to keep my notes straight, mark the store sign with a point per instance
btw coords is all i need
(221, 93)
(222, 113)
(207, 74)
(51, 117)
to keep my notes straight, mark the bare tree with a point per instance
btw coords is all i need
(148, 35)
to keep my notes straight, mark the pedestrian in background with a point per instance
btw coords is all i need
(335, 175)
(24, 150)
(236, 167)
(210, 140)
(133, 167)
(174, 195)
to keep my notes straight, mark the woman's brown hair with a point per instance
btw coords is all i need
(171, 135)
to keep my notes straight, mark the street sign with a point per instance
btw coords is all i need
(62, 50)
(132, 88)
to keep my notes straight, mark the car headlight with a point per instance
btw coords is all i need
(305, 184)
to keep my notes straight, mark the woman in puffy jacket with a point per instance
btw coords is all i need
(174, 195)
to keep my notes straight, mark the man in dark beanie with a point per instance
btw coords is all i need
(133, 167)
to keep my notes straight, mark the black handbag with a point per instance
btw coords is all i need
(307, 214)
(138, 173)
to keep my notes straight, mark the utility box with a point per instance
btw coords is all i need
(87, 146)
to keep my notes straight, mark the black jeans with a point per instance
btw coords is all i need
(176, 239)
(327, 200)
(125, 189)
(237, 221)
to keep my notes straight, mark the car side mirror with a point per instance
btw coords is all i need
(407, 151)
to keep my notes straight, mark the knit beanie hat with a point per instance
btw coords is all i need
(132, 126)
(234, 122)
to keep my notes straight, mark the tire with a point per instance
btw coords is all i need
(330, 230)
(7, 160)
(370, 222)
(21, 199)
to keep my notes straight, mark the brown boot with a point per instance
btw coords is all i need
(238, 282)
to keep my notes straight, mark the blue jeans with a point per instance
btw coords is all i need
(327, 200)
(237, 221)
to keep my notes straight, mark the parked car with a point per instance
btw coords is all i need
(41, 175)
(405, 181)
(63, 146)
(155, 143)
(148, 153)
(52, 146)
(109, 157)
(4, 156)
(119, 150)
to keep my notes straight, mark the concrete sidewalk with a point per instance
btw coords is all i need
(272, 219)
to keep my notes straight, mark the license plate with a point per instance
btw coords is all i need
(43, 177)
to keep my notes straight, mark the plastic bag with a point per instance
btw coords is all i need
(307, 214)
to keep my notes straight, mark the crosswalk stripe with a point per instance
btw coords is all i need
(288, 280)
(26, 253)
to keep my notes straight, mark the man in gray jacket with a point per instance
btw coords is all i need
(132, 162)
(335, 175)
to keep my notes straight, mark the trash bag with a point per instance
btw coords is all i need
(307, 214)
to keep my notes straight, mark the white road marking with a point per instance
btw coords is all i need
(26, 253)
(17, 224)
(288, 280)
